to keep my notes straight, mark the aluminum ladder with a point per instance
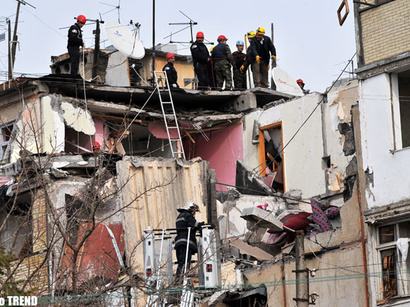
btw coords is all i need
(168, 111)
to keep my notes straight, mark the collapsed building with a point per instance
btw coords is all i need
(88, 167)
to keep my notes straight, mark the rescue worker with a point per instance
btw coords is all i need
(239, 77)
(211, 71)
(75, 41)
(222, 59)
(302, 86)
(261, 50)
(249, 56)
(185, 219)
(171, 72)
(201, 58)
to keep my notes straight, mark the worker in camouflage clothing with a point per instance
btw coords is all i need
(222, 58)
(239, 77)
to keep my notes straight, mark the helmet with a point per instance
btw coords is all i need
(190, 206)
(260, 30)
(81, 18)
(240, 43)
(170, 55)
(222, 38)
(200, 35)
(212, 48)
(251, 34)
(299, 81)
(96, 146)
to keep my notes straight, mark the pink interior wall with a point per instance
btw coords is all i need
(101, 133)
(222, 150)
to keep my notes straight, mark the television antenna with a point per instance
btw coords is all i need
(115, 7)
(189, 24)
(13, 42)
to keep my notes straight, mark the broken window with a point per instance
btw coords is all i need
(392, 249)
(5, 137)
(271, 156)
(401, 108)
(76, 213)
(17, 233)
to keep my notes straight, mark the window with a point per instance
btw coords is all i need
(5, 132)
(401, 108)
(392, 243)
(271, 156)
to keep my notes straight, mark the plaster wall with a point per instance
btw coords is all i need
(339, 280)
(117, 73)
(387, 169)
(53, 127)
(303, 155)
(250, 150)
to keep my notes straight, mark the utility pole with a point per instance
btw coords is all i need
(153, 39)
(10, 70)
(302, 278)
(96, 50)
(272, 82)
(14, 41)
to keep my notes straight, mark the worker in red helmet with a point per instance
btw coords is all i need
(75, 41)
(171, 72)
(201, 59)
(222, 59)
(302, 86)
(96, 147)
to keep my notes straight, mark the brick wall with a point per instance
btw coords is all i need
(385, 30)
(37, 263)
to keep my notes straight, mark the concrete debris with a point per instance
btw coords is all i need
(78, 119)
(58, 173)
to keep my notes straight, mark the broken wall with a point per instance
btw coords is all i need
(338, 147)
(303, 154)
(151, 190)
(339, 257)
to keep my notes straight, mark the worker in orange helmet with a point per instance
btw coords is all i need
(75, 41)
(171, 72)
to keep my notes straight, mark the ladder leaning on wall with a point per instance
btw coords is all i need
(168, 111)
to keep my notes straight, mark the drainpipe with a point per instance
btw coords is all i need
(282, 268)
(363, 242)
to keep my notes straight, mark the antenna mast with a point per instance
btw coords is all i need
(190, 24)
(14, 42)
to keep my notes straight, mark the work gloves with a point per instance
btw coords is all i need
(258, 59)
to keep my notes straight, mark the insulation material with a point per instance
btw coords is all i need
(78, 119)
(151, 192)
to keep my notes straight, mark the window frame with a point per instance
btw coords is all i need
(262, 150)
(396, 116)
(392, 245)
(5, 142)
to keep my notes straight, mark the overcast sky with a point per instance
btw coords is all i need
(309, 41)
